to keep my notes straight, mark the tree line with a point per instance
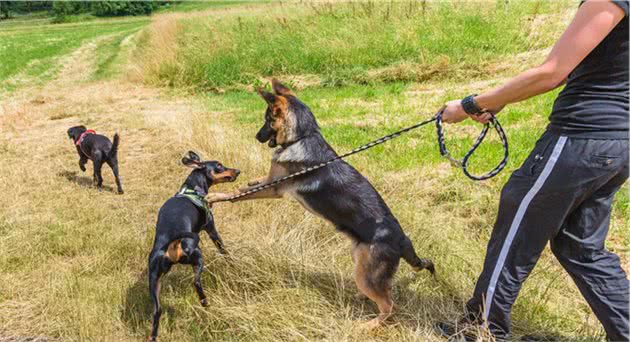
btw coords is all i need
(60, 9)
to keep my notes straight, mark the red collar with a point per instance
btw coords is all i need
(89, 131)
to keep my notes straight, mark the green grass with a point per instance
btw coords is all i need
(33, 50)
(367, 42)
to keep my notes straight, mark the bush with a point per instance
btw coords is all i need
(122, 8)
(62, 9)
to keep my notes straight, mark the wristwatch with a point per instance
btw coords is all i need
(470, 105)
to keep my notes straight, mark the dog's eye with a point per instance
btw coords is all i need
(220, 168)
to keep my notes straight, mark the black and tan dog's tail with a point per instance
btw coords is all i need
(114, 151)
(410, 256)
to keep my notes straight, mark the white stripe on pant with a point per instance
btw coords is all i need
(522, 208)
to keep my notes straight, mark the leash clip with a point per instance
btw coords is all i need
(454, 162)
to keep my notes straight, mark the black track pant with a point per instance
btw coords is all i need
(561, 194)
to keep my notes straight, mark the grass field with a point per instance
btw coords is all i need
(74, 260)
(31, 52)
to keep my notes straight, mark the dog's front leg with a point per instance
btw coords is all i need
(266, 193)
(216, 238)
(198, 268)
(82, 162)
(257, 181)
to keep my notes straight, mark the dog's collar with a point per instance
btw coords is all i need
(82, 136)
(196, 198)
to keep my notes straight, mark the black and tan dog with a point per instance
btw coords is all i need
(99, 149)
(338, 193)
(179, 222)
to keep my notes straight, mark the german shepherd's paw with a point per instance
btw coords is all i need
(254, 182)
(217, 196)
(360, 296)
(372, 324)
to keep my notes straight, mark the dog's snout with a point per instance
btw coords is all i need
(237, 172)
(259, 137)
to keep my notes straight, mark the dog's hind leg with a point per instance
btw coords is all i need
(98, 163)
(198, 268)
(155, 272)
(373, 275)
(113, 163)
(410, 256)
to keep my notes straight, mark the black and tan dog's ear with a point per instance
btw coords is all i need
(280, 88)
(193, 155)
(75, 131)
(267, 96)
(191, 159)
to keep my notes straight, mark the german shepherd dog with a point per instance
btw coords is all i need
(338, 193)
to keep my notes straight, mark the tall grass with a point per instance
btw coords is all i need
(352, 42)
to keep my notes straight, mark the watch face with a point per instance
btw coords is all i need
(469, 105)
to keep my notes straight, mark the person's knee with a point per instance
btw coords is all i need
(557, 249)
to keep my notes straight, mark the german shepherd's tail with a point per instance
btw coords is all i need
(410, 256)
(114, 151)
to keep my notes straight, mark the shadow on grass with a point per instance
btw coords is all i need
(137, 311)
(82, 181)
(416, 305)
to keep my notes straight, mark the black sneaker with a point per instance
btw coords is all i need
(456, 332)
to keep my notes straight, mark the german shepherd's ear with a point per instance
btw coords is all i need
(280, 88)
(267, 96)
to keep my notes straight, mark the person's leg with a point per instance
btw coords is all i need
(533, 205)
(579, 246)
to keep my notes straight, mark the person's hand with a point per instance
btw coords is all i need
(486, 116)
(453, 112)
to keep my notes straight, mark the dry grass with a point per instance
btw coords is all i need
(74, 260)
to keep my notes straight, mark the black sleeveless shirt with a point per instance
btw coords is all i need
(594, 102)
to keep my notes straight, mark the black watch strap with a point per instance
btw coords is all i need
(470, 105)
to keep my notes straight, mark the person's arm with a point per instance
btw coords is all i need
(592, 23)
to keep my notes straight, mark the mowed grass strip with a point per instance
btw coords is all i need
(33, 49)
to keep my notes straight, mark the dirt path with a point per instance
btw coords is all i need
(52, 205)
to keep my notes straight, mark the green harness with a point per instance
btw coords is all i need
(198, 200)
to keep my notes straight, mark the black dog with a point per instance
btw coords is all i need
(97, 148)
(338, 193)
(179, 222)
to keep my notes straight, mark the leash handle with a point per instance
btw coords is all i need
(463, 163)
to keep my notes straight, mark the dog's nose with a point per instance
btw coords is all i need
(237, 172)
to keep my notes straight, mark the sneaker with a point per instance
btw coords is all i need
(456, 332)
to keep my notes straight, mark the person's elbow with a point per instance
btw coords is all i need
(549, 76)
